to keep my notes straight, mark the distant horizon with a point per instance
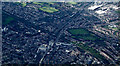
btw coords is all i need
(60, 0)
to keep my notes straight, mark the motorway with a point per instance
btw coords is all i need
(59, 33)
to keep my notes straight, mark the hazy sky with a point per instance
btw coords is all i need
(62, 0)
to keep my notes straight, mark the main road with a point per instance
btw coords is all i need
(59, 33)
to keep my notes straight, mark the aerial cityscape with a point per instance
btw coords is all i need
(60, 33)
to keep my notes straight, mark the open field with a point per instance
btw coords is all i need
(38, 3)
(72, 2)
(48, 9)
(23, 4)
(45, 6)
(91, 51)
(7, 19)
(82, 34)
(78, 31)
